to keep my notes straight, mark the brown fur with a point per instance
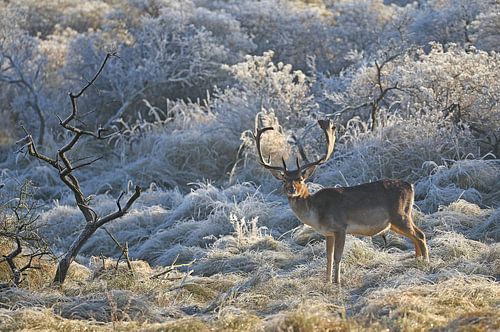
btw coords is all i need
(367, 209)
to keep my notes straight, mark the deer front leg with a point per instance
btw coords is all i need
(339, 250)
(330, 241)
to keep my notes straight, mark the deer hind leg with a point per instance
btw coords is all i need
(423, 244)
(339, 250)
(330, 241)
(404, 226)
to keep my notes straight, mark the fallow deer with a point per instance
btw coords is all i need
(367, 209)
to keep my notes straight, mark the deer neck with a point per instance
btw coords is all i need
(300, 202)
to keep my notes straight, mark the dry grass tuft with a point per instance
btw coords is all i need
(42, 319)
(433, 305)
(311, 318)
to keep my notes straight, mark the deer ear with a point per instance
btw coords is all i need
(307, 173)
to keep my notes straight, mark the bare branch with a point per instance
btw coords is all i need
(32, 150)
(66, 171)
(74, 97)
(123, 249)
(118, 200)
(121, 211)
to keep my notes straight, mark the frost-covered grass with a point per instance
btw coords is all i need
(255, 268)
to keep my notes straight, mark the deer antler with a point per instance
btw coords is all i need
(329, 130)
(257, 136)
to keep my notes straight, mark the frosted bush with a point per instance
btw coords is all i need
(473, 180)
(485, 29)
(244, 229)
(167, 56)
(360, 26)
(43, 17)
(267, 85)
(441, 80)
(226, 29)
(446, 21)
(302, 29)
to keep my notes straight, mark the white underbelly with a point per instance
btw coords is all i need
(369, 230)
(311, 219)
(366, 223)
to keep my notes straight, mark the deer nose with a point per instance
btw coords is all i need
(290, 190)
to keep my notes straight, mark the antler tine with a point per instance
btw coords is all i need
(257, 135)
(284, 163)
(329, 130)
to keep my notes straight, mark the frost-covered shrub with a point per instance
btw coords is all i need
(293, 30)
(359, 29)
(448, 80)
(445, 22)
(55, 48)
(397, 150)
(486, 29)
(167, 59)
(271, 86)
(451, 77)
(42, 17)
(476, 181)
(225, 29)
(222, 25)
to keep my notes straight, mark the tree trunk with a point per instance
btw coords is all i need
(69, 257)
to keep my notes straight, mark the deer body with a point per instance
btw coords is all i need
(333, 210)
(367, 209)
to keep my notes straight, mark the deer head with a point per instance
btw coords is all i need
(294, 180)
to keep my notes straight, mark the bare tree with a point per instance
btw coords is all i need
(20, 229)
(11, 72)
(66, 167)
(378, 93)
(382, 91)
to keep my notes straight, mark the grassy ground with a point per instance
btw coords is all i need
(252, 281)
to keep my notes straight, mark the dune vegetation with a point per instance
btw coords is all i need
(212, 244)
